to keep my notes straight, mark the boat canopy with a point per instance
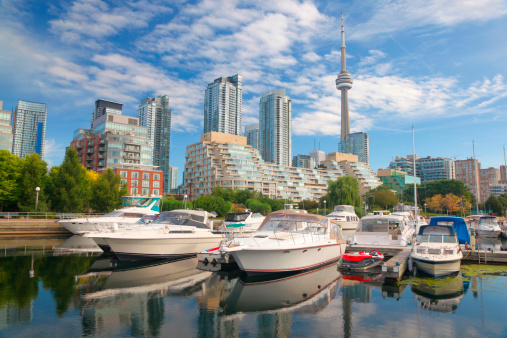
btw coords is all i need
(457, 223)
(152, 203)
(380, 224)
(445, 230)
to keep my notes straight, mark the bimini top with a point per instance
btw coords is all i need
(457, 223)
(445, 230)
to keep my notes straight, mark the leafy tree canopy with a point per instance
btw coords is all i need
(33, 175)
(344, 191)
(10, 170)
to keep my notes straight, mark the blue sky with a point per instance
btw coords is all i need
(437, 65)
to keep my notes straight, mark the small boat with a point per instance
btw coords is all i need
(134, 208)
(287, 240)
(436, 251)
(345, 216)
(383, 230)
(488, 226)
(360, 260)
(245, 221)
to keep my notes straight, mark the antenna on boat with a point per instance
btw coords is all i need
(415, 177)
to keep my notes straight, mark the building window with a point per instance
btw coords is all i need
(133, 191)
(156, 184)
(146, 184)
(146, 176)
(133, 183)
(123, 181)
(156, 177)
(123, 174)
(156, 192)
(146, 191)
(135, 174)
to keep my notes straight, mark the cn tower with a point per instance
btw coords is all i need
(343, 84)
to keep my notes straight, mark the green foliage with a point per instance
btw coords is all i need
(381, 197)
(70, 190)
(212, 203)
(241, 196)
(308, 205)
(494, 205)
(33, 174)
(10, 170)
(258, 206)
(106, 192)
(441, 187)
(168, 204)
(344, 191)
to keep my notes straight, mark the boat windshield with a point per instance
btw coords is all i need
(379, 225)
(116, 213)
(295, 224)
(488, 221)
(437, 239)
(180, 218)
(236, 217)
(347, 208)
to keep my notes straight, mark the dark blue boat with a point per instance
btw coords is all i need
(458, 223)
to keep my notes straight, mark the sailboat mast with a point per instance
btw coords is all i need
(415, 177)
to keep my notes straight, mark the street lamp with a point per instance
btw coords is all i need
(185, 199)
(325, 207)
(37, 189)
(425, 214)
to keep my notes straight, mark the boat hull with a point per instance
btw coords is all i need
(273, 260)
(131, 248)
(489, 233)
(80, 227)
(438, 268)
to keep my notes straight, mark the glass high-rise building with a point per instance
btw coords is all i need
(252, 135)
(356, 144)
(173, 179)
(29, 128)
(103, 107)
(275, 127)
(222, 105)
(5, 129)
(155, 114)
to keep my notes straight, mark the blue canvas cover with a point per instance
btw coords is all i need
(458, 223)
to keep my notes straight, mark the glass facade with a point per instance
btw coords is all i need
(356, 144)
(29, 129)
(5, 129)
(223, 101)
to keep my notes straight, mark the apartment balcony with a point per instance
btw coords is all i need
(89, 150)
(131, 157)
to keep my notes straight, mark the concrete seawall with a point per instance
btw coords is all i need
(31, 227)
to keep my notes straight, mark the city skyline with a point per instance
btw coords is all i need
(436, 65)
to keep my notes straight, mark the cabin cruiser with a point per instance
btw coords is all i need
(487, 226)
(345, 216)
(458, 223)
(134, 208)
(287, 240)
(244, 221)
(436, 251)
(174, 233)
(383, 230)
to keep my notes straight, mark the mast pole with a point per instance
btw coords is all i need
(415, 177)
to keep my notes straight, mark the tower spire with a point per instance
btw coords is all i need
(343, 84)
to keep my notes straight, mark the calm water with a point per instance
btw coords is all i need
(53, 293)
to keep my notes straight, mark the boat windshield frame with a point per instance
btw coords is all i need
(380, 225)
(437, 238)
(237, 217)
(181, 218)
(489, 220)
(295, 224)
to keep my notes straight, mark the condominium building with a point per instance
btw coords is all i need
(487, 177)
(252, 135)
(318, 156)
(173, 178)
(503, 173)
(29, 129)
(467, 171)
(155, 114)
(498, 189)
(223, 104)
(357, 144)
(228, 161)
(303, 161)
(396, 179)
(145, 180)
(428, 169)
(114, 140)
(275, 127)
(103, 107)
(5, 129)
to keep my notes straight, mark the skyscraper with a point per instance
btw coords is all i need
(29, 128)
(318, 156)
(5, 129)
(468, 172)
(357, 144)
(275, 127)
(103, 106)
(252, 135)
(222, 105)
(343, 84)
(155, 114)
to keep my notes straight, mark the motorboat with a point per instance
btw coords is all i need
(173, 234)
(383, 230)
(287, 240)
(444, 297)
(458, 223)
(436, 251)
(246, 221)
(361, 260)
(134, 208)
(345, 216)
(488, 226)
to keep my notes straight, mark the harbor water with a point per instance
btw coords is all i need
(50, 291)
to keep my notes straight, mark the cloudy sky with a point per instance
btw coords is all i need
(437, 64)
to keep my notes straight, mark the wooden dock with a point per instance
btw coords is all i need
(395, 267)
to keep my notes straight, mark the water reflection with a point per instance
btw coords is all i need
(78, 243)
(441, 294)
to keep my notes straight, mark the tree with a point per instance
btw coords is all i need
(258, 206)
(212, 203)
(169, 204)
(344, 191)
(495, 205)
(33, 174)
(10, 169)
(106, 192)
(451, 203)
(70, 190)
(384, 199)
(435, 203)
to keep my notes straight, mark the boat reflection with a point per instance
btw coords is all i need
(307, 292)
(442, 295)
(358, 285)
(489, 243)
(77, 243)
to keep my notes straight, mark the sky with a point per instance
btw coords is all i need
(437, 65)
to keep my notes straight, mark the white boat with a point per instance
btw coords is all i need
(487, 226)
(345, 216)
(246, 221)
(287, 240)
(173, 233)
(436, 251)
(383, 230)
(134, 208)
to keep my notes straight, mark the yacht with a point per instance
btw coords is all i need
(487, 226)
(134, 208)
(436, 251)
(383, 230)
(173, 234)
(287, 240)
(345, 216)
(246, 221)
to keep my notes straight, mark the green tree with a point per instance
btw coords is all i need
(385, 199)
(258, 206)
(169, 204)
(70, 190)
(107, 191)
(494, 205)
(10, 170)
(212, 203)
(441, 187)
(33, 175)
(241, 196)
(344, 191)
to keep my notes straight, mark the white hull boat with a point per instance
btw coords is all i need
(383, 230)
(438, 268)
(288, 240)
(488, 227)
(345, 216)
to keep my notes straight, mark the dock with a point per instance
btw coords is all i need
(16, 227)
